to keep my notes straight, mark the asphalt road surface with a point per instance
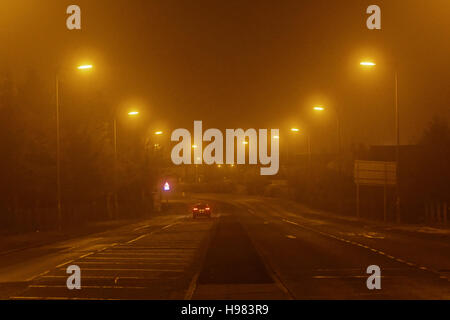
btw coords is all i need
(251, 248)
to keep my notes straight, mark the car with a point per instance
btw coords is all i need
(201, 209)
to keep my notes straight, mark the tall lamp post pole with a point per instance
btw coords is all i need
(397, 149)
(58, 158)
(58, 145)
(116, 174)
(371, 64)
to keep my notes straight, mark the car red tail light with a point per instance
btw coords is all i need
(195, 209)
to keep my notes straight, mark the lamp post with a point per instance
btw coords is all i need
(371, 64)
(116, 170)
(58, 145)
(293, 130)
(338, 126)
(116, 163)
(58, 158)
(198, 159)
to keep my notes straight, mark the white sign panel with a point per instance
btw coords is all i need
(375, 173)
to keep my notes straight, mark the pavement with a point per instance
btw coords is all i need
(251, 248)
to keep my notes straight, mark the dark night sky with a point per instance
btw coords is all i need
(242, 63)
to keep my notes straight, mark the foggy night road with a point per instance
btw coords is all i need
(252, 248)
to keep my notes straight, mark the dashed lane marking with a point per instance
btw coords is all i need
(39, 275)
(138, 238)
(192, 286)
(142, 227)
(168, 226)
(411, 264)
(65, 263)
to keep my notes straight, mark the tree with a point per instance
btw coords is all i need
(434, 173)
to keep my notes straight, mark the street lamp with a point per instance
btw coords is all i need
(293, 131)
(157, 145)
(368, 64)
(397, 131)
(296, 131)
(85, 67)
(58, 145)
(321, 108)
(116, 163)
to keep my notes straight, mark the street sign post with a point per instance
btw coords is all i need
(374, 173)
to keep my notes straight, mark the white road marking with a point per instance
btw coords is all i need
(138, 238)
(192, 286)
(411, 264)
(65, 263)
(165, 257)
(168, 226)
(37, 276)
(141, 227)
(86, 255)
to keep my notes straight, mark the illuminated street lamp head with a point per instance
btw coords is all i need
(194, 146)
(158, 133)
(133, 113)
(295, 129)
(367, 64)
(319, 108)
(85, 67)
(276, 137)
(245, 142)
